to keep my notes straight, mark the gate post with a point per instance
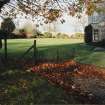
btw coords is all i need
(35, 52)
(5, 48)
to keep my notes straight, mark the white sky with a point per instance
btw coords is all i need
(71, 25)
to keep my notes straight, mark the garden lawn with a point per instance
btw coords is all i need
(21, 87)
(61, 49)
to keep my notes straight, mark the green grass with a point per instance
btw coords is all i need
(47, 48)
(23, 88)
(18, 87)
(51, 48)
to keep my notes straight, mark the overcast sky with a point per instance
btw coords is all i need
(71, 25)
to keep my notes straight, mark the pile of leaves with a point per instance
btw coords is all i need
(86, 82)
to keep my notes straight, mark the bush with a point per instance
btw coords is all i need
(58, 35)
(22, 33)
(62, 35)
(11, 35)
(79, 35)
(16, 36)
(37, 34)
(47, 35)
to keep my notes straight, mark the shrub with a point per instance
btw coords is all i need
(22, 33)
(62, 35)
(11, 35)
(79, 35)
(58, 35)
(47, 35)
(37, 34)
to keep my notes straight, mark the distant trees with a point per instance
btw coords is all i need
(37, 34)
(62, 35)
(47, 35)
(78, 35)
(22, 33)
(7, 27)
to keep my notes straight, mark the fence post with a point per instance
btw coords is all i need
(35, 52)
(5, 48)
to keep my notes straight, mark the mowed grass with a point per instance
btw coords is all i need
(61, 49)
(19, 87)
(46, 48)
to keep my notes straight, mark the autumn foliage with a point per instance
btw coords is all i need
(77, 69)
(74, 77)
(48, 10)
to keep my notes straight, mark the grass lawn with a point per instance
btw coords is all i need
(51, 48)
(18, 87)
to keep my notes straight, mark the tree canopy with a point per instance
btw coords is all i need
(48, 10)
(7, 25)
(2, 2)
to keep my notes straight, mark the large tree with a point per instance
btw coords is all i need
(7, 25)
(2, 2)
(48, 10)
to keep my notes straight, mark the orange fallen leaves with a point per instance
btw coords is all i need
(84, 80)
(65, 74)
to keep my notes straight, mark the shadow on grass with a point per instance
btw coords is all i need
(50, 52)
(55, 53)
(22, 88)
(19, 87)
